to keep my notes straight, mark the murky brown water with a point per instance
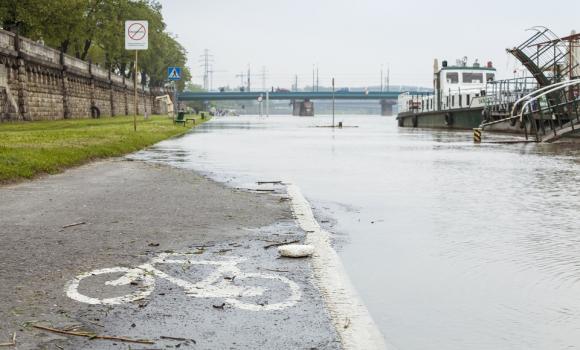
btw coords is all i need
(451, 245)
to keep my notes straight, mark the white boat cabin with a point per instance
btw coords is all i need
(454, 87)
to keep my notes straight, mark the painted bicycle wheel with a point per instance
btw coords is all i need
(110, 286)
(279, 293)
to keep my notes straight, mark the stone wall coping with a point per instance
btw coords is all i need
(117, 78)
(79, 64)
(100, 72)
(39, 51)
(7, 39)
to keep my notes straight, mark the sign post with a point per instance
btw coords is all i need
(174, 74)
(136, 38)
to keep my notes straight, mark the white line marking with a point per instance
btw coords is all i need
(340, 296)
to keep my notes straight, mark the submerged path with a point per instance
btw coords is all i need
(122, 214)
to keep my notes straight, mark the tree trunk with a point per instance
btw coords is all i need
(64, 46)
(88, 43)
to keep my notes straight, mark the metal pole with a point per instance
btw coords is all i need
(267, 104)
(135, 90)
(388, 78)
(317, 85)
(313, 72)
(175, 99)
(296, 82)
(381, 78)
(333, 102)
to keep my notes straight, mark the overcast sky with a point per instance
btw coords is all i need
(350, 40)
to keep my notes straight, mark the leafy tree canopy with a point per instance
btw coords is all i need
(94, 30)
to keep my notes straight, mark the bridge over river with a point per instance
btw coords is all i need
(301, 100)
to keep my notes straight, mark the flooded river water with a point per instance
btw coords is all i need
(450, 245)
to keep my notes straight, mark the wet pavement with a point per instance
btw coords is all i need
(216, 285)
(451, 245)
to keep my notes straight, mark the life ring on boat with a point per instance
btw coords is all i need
(448, 119)
(415, 121)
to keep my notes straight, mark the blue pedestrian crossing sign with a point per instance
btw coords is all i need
(174, 73)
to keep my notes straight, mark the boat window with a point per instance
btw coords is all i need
(453, 101)
(489, 76)
(468, 98)
(453, 78)
(460, 98)
(471, 78)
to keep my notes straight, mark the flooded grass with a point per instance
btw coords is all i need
(29, 149)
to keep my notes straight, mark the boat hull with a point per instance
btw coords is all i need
(465, 118)
(462, 119)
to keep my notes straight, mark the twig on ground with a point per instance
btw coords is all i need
(269, 182)
(174, 338)
(274, 270)
(346, 323)
(94, 336)
(74, 224)
(220, 306)
(11, 343)
(280, 243)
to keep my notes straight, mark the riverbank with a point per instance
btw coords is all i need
(30, 149)
(122, 214)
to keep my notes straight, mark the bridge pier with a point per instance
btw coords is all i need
(303, 108)
(387, 107)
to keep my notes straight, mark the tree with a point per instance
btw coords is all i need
(94, 30)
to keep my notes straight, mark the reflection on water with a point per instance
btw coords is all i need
(451, 245)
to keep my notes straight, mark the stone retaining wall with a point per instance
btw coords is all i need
(40, 83)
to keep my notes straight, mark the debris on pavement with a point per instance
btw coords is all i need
(296, 250)
(220, 306)
(269, 182)
(92, 335)
(276, 244)
(12, 342)
(74, 224)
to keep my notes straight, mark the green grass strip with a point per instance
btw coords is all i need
(30, 149)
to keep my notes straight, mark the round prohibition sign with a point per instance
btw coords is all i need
(136, 31)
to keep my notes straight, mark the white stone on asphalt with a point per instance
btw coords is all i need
(296, 250)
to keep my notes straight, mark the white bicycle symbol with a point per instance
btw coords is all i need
(215, 285)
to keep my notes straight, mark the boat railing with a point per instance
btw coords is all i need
(547, 113)
(416, 101)
(500, 95)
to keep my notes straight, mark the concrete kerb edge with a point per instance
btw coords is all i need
(350, 316)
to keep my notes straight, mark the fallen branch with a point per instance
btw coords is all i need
(74, 224)
(174, 338)
(12, 343)
(94, 336)
(269, 182)
(280, 243)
